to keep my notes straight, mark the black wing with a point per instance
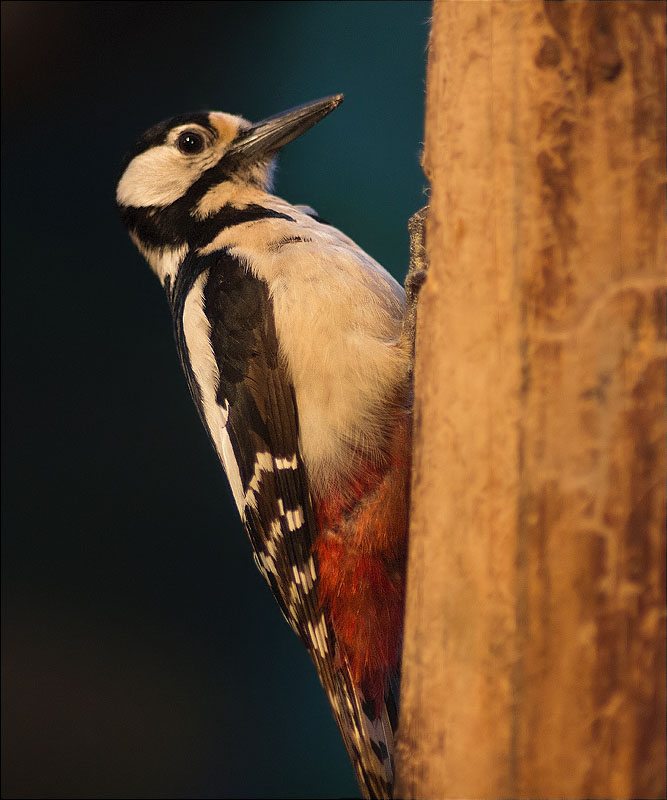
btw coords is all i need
(256, 405)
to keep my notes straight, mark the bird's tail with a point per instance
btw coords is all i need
(368, 733)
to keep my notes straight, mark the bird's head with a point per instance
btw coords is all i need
(171, 177)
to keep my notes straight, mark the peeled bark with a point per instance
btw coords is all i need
(534, 654)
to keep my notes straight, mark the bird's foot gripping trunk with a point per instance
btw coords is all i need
(416, 276)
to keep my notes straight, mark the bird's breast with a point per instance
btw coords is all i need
(337, 315)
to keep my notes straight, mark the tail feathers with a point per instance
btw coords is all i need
(369, 740)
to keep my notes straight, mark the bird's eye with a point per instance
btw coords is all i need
(190, 143)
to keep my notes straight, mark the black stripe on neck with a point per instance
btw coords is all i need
(157, 227)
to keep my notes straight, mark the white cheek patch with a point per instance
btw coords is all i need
(157, 177)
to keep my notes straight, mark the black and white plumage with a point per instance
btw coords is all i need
(289, 336)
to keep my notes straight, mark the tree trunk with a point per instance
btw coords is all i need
(534, 655)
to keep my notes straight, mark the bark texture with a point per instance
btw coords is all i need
(534, 655)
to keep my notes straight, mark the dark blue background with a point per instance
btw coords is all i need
(143, 655)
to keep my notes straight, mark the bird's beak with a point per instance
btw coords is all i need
(271, 134)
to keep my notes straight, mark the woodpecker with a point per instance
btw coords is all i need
(297, 350)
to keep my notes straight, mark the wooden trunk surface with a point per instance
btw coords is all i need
(534, 656)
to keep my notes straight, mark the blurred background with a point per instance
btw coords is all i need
(143, 655)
